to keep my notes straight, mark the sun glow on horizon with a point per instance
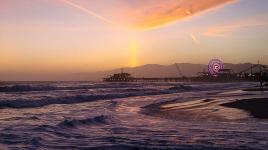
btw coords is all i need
(133, 47)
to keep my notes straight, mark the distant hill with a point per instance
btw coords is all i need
(149, 70)
(156, 70)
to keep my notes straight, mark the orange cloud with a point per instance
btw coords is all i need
(156, 13)
(144, 14)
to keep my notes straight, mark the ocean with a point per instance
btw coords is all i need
(88, 115)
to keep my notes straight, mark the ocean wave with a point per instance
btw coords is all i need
(77, 97)
(127, 86)
(26, 103)
(41, 87)
(26, 88)
(191, 120)
(98, 120)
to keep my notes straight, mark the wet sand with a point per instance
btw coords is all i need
(257, 107)
(255, 89)
(211, 109)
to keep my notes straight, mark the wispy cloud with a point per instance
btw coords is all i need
(223, 30)
(87, 11)
(194, 39)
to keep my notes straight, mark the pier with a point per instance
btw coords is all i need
(256, 72)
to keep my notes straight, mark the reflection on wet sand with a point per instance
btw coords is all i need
(221, 107)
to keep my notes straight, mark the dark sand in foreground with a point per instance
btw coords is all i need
(257, 107)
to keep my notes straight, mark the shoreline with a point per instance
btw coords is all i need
(211, 109)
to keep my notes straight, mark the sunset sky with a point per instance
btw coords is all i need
(95, 35)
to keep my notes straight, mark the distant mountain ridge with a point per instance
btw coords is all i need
(149, 70)
(156, 70)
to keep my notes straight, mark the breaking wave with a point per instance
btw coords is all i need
(25, 103)
(122, 90)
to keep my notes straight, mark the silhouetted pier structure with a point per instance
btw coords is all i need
(126, 77)
(256, 72)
